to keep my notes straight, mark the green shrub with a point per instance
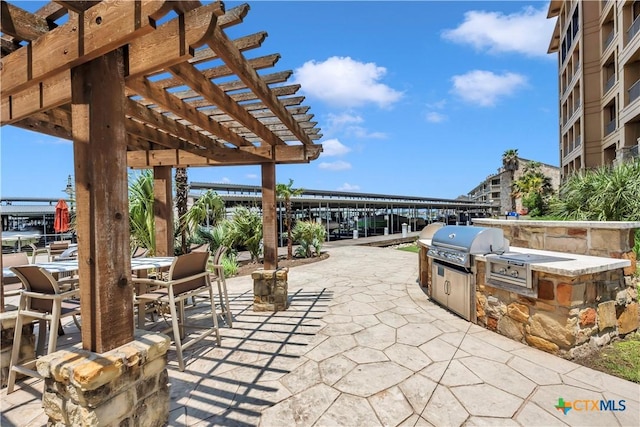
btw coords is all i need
(230, 264)
(245, 231)
(602, 194)
(310, 236)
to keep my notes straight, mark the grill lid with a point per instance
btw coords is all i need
(470, 240)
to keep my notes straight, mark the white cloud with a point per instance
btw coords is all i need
(225, 180)
(438, 105)
(435, 117)
(360, 132)
(348, 187)
(344, 119)
(347, 124)
(527, 32)
(345, 82)
(251, 176)
(339, 165)
(333, 147)
(484, 87)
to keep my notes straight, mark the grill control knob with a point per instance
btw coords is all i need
(502, 271)
(514, 273)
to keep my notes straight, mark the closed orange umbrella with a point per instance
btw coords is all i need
(61, 219)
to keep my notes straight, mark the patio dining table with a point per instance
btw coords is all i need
(141, 265)
(71, 265)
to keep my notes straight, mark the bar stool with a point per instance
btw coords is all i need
(42, 299)
(218, 271)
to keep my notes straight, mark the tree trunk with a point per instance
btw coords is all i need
(289, 237)
(182, 191)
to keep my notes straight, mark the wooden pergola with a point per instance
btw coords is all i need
(131, 92)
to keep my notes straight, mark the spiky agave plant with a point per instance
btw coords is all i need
(141, 215)
(602, 194)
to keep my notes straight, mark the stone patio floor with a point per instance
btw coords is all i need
(362, 345)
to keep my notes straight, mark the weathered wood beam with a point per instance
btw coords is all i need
(250, 96)
(237, 85)
(77, 6)
(220, 117)
(161, 121)
(234, 59)
(8, 45)
(84, 37)
(217, 96)
(269, 218)
(162, 139)
(21, 24)
(146, 54)
(281, 154)
(51, 11)
(35, 125)
(243, 43)
(169, 102)
(222, 70)
(99, 148)
(172, 42)
(163, 210)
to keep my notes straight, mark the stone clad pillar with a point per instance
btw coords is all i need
(270, 290)
(124, 386)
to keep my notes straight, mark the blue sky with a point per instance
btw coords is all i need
(416, 98)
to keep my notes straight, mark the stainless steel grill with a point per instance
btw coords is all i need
(456, 244)
(515, 268)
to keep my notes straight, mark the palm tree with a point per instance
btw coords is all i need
(286, 192)
(534, 187)
(182, 193)
(511, 164)
(141, 215)
(208, 208)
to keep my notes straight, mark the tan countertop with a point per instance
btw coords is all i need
(575, 265)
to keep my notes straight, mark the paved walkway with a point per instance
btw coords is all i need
(362, 345)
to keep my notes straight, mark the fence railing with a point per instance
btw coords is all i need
(634, 91)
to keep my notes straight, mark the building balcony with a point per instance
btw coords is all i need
(627, 153)
(608, 41)
(610, 127)
(609, 84)
(634, 91)
(633, 29)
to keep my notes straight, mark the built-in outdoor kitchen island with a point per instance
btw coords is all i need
(563, 287)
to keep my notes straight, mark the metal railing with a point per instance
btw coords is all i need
(608, 41)
(626, 153)
(634, 91)
(633, 29)
(610, 127)
(609, 84)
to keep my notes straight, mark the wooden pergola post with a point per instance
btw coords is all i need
(269, 219)
(163, 210)
(100, 157)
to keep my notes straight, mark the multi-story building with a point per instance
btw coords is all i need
(598, 46)
(497, 188)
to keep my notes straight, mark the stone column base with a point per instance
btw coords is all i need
(127, 386)
(270, 290)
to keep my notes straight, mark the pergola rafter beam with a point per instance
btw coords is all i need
(217, 96)
(234, 59)
(20, 24)
(102, 30)
(169, 102)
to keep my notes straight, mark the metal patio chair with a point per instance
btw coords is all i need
(44, 300)
(188, 277)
